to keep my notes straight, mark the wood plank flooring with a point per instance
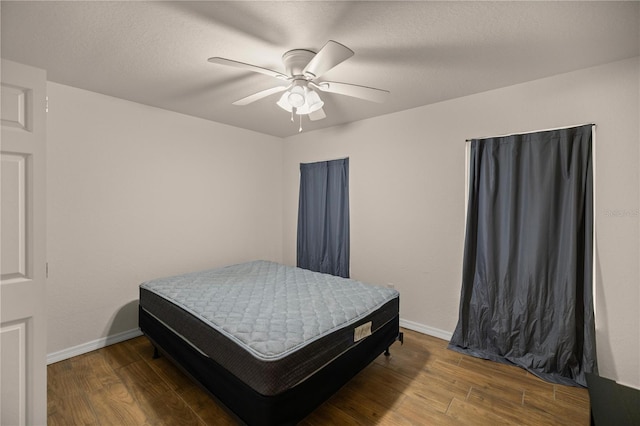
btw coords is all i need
(421, 383)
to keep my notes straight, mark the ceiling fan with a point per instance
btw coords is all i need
(303, 68)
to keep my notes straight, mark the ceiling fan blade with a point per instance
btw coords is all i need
(317, 115)
(332, 54)
(248, 67)
(257, 96)
(362, 92)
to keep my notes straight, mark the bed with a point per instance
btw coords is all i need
(269, 341)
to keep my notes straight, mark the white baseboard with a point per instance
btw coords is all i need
(425, 329)
(629, 385)
(92, 346)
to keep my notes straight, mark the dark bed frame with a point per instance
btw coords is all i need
(249, 406)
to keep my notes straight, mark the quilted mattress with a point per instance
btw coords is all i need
(269, 324)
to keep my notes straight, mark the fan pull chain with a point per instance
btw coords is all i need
(292, 109)
(300, 129)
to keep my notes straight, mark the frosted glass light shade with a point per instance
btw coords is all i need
(313, 101)
(284, 103)
(296, 97)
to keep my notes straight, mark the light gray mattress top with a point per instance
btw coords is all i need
(271, 309)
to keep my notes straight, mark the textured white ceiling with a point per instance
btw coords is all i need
(155, 53)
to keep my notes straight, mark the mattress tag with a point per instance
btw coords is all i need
(362, 331)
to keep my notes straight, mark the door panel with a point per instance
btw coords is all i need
(14, 104)
(23, 264)
(13, 352)
(14, 219)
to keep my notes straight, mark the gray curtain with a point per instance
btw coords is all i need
(527, 270)
(323, 217)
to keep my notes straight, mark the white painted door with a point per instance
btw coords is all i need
(23, 369)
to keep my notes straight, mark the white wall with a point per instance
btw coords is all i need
(134, 193)
(407, 195)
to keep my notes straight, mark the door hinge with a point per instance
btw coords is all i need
(46, 104)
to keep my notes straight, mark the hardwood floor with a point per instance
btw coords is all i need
(421, 383)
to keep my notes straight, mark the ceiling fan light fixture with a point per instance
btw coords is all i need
(301, 100)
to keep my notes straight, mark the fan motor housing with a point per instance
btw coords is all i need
(296, 60)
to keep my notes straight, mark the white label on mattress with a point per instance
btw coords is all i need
(361, 332)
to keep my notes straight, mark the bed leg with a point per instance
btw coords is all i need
(399, 338)
(156, 353)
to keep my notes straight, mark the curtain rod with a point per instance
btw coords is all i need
(533, 131)
(325, 161)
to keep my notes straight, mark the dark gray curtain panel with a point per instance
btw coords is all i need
(527, 271)
(323, 217)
